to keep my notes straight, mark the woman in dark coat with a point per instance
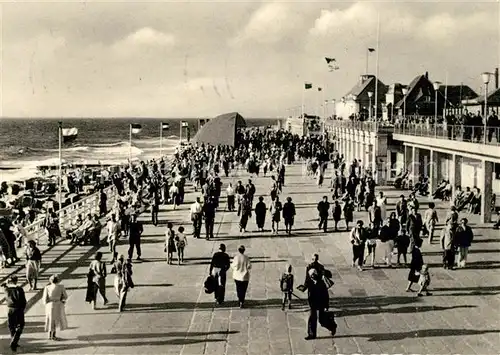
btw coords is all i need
(260, 213)
(416, 264)
(246, 212)
(348, 212)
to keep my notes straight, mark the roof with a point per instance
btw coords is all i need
(456, 93)
(221, 129)
(493, 98)
(368, 82)
(411, 87)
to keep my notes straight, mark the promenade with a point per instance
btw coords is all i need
(168, 312)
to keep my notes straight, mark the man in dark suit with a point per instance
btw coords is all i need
(323, 209)
(16, 303)
(135, 231)
(218, 268)
(288, 215)
(209, 214)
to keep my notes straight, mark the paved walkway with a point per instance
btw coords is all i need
(168, 312)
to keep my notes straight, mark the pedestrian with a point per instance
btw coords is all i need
(260, 214)
(348, 210)
(134, 239)
(448, 239)
(402, 244)
(196, 210)
(463, 242)
(218, 269)
(245, 212)
(336, 214)
(209, 208)
(241, 274)
(424, 281)
(430, 220)
(230, 198)
(416, 264)
(103, 203)
(155, 208)
(275, 210)
(323, 210)
(318, 299)
(118, 269)
(286, 286)
(33, 262)
(289, 215)
(54, 298)
(181, 243)
(97, 271)
(127, 283)
(15, 300)
(371, 244)
(170, 243)
(113, 235)
(358, 238)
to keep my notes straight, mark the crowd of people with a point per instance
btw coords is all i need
(261, 153)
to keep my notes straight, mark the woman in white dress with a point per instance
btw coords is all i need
(382, 203)
(54, 298)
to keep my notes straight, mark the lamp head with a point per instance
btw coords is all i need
(486, 77)
(370, 94)
(436, 85)
(405, 91)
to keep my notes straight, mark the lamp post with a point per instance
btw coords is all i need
(486, 81)
(436, 89)
(405, 91)
(370, 94)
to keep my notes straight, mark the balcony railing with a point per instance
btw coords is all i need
(460, 133)
(369, 126)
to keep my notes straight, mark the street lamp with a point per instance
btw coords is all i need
(405, 91)
(436, 88)
(370, 94)
(486, 81)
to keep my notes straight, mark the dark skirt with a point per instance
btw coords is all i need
(243, 221)
(260, 220)
(412, 276)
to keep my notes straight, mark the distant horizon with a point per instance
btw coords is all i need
(128, 118)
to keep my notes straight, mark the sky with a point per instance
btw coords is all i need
(200, 59)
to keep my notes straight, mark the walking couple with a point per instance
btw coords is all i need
(241, 273)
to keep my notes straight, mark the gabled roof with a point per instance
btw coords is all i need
(361, 87)
(221, 130)
(456, 93)
(412, 87)
(493, 98)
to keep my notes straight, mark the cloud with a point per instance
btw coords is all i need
(145, 37)
(360, 19)
(269, 24)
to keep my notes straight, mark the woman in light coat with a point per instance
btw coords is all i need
(241, 274)
(54, 298)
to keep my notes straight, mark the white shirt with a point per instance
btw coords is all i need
(230, 191)
(196, 207)
(241, 267)
(112, 230)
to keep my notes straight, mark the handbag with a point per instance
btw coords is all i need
(328, 282)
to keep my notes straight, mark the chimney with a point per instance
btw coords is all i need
(427, 75)
(496, 78)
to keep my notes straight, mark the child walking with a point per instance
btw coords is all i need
(424, 281)
(170, 243)
(402, 242)
(181, 242)
(286, 285)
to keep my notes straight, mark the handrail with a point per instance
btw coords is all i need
(461, 133)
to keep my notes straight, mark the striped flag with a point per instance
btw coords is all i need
(319, 89)
(165, 126)
(308, 86)
(184, 124)
(135, 128)
(371, 50)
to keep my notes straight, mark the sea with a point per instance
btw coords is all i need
(26, 144)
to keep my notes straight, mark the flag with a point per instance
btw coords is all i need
(329, 60)
(165, 126)
(319, 89)
(332, 63)
(371, 50)
(308, 86)
(184, 124)
(136, 128)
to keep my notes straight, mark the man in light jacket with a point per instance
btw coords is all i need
(241, 274)
(448, 245)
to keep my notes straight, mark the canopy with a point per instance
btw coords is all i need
(221, 130)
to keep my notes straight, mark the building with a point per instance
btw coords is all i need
(357, 101)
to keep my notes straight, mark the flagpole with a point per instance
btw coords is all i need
(161, 139)
(367, 54)
(60, 169)
(130, 145)
(376, 102)
(302, 106)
